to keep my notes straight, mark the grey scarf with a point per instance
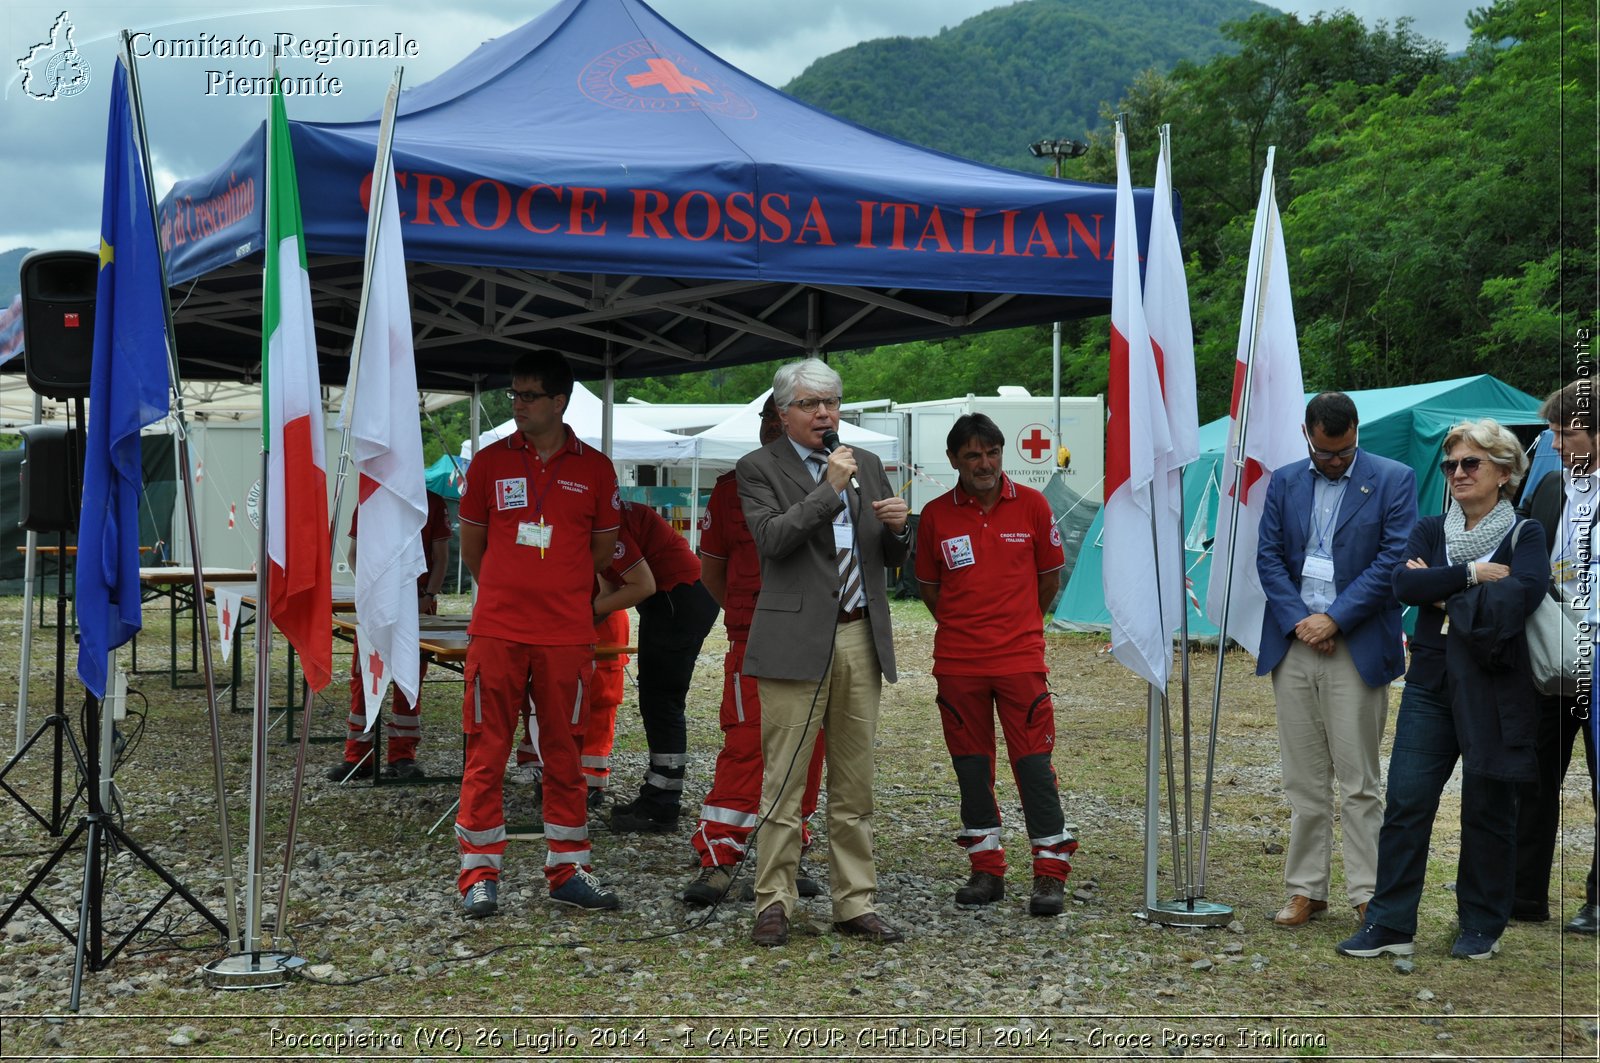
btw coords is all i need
(1462, 545)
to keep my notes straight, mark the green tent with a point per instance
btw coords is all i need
(1407, 424)
(447, 476)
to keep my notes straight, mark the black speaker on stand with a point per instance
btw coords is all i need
(58, 290)
(58, 293)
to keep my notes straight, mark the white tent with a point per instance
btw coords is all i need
(630, 440)
(725, 443)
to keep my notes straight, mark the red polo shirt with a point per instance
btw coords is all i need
(987, 566)
(671, 561)
(525, 594)
(725, 535)
(623, 557)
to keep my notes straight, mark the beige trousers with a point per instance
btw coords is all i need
(1330, 725)
(847, 705)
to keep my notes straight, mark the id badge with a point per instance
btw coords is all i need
(1564, 571)
(844, 537)
(534, 533)
(1319, 568)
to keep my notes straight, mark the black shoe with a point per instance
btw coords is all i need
(981, 888)
(596, 798)
(403, 771)
(1587, 921)
(636, 817)
(1048, 896)
(345, 770)
(805, 883)
(709, 886)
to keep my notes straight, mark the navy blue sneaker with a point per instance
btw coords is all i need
(1374, 940)
(1471, 945)
(583, 890)
(481, 900)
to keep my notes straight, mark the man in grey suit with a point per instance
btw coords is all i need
(825, 526)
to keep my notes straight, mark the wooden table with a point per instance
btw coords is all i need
(344, 598)
(54, 552)
(176, 584)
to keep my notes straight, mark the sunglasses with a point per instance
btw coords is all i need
(1467, 465)
(526, 396)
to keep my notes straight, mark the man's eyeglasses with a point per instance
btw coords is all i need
(1330, 455)
(810, 405)
(1467, 465)
(526, 396)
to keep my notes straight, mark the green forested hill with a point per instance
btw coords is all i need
(1040, 68)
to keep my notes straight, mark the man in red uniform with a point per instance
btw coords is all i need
(538, 520)
(989, 564)
(673, 623)
(403, 729)
(731, 571)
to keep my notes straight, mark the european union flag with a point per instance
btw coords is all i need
(128, 387)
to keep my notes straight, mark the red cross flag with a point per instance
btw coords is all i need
(229, 597)
(232, 515)
(1272, 422)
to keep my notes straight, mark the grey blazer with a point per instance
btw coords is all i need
(791, 517)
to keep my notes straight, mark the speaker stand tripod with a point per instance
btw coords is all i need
(101, 836)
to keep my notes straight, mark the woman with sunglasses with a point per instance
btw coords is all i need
(1443, 716)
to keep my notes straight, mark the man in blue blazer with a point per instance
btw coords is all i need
(1333, 531)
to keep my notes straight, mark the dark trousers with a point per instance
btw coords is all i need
(1539, 816)
(1425, 754)
(672, 626)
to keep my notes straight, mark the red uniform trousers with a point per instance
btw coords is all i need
(501, 678)
(968, 706)
(733, 805)
(402, 729)
(605, 694)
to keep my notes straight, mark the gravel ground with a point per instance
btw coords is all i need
(393, 970)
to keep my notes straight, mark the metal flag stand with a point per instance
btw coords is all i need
(1188, 907)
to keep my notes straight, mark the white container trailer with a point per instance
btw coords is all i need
(1029, 426)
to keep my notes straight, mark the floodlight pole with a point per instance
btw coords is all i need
(1056, 150)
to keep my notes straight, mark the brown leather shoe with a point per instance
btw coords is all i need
(772, 927)
(870, 926)
(1361, 913)
(1299, 911)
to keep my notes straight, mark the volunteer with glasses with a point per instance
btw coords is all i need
(1468, 696)
(1333, 530)
(539, 518)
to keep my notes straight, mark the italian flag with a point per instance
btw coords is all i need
(300, 580)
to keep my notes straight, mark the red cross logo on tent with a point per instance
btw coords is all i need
(665, 72)
(1035, 443)
(375, 669)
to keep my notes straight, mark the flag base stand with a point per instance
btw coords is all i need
(252, 970)
(1188, 913)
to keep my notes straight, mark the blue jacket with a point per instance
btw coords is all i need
(1375, 520)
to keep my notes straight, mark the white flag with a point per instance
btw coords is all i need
(1166, 311)
(1137, 445)
(1273, 424)
(386, 442)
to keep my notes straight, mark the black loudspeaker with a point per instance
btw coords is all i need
(58, 289)
(52, 470)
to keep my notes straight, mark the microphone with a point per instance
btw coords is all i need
(830, 443)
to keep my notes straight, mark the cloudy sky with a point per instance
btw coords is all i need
(52, 151)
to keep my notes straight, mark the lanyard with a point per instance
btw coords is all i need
(1333, 518)
(538, 499)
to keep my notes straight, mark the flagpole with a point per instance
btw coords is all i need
(224, 832)
(1259, 255)
(380, 191)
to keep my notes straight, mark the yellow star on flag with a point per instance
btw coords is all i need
(106, 253)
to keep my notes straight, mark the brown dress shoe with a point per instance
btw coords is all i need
(1361, 913)
(772, 927)
(870, 926)
(1299, 910)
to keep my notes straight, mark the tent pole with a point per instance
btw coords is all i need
(1055, 384)
(608, 398)
(694, 505)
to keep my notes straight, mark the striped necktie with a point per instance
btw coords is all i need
(852, 593)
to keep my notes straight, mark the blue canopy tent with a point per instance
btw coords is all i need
(596, 183)
(1407, 424)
